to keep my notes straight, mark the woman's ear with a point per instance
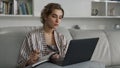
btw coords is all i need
(45, 18)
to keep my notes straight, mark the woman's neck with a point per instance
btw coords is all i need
(48, 30)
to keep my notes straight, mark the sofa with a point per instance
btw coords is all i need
(106, 53)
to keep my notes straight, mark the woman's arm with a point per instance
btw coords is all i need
(63, 48)
(33, 57)
(27, 54)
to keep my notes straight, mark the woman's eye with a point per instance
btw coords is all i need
(54, 16)
(60, 17)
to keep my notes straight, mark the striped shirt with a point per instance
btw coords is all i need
(35, 40)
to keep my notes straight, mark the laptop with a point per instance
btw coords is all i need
(79, 51)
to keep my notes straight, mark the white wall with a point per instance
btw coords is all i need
(84, 23)
(92, 23)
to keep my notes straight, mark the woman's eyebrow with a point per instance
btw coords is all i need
(56, 14)
(53, 14)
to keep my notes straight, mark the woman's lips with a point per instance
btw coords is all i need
(55, 24)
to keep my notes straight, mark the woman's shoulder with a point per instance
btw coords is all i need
(35, 31)
(59, 34)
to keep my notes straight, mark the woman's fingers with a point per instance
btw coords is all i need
(56, 56)
(34, 55)
(37, 51)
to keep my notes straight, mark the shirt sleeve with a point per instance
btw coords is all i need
(24, 52)
(64, 45)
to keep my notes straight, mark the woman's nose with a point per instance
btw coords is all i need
(57, 20)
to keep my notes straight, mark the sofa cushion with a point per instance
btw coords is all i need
(114, 40)
(113, 66)
(87, 64)
(9, 48)
(65, 32)
(11, 39)
(102, 51)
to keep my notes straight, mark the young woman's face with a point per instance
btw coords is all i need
(54, 19)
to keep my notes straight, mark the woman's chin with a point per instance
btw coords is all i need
(55, 27)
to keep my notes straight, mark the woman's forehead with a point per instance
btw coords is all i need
(57, 11)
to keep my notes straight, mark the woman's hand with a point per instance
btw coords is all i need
(55, 58)
(33, 57)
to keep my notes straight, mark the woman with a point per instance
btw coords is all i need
(46, 40)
